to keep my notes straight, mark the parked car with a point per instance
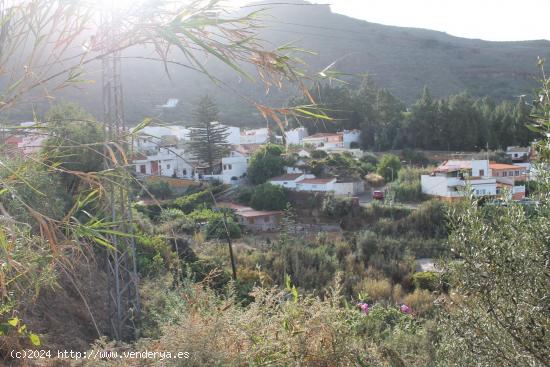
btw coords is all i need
(378, 195)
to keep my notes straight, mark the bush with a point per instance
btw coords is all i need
(336, 207)
(376, 290)
(160, 190)
(427, 280)
(420, 301)
(189, 203)
(154, 255)
(389, 167)
(408, 191)
(267, 162)
(170, 214)
(375, 180)
(215, 229)
(369, 157)
(319, 154)
(268, 197)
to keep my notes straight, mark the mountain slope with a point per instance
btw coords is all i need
(402, 60)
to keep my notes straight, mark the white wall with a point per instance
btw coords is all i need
(348, 188)
(234, 137)
(234, 166)
(296, 136)
(351, 136)
(169, 161)
(480, 168)
(315, 187)
(255, 136)
(435, 185)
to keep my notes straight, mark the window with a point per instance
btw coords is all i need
(482, 172)
(167, 166)
(266, 219)
(251, 220)
(517, 173)
(504, 174)
(184, 172)
(142, 169)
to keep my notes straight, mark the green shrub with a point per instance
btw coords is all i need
(160, 190)
(244, 195)
(375, 290)
(408, 191)
(215, 229)
(389, 167)
(154, 255)
(427, 280)
(189, 203)
(334, 207)
(420, 301)
(369, 157)
(319, 154)
(267, 162)
(170, 214)
(268, 197)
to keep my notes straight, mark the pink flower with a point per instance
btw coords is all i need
(405, 309)
(364, 307)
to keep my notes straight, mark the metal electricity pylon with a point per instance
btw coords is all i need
(123, 279)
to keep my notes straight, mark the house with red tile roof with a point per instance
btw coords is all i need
(452, 179)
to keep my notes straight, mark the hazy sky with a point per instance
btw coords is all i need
(494, 20)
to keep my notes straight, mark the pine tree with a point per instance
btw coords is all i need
(208, 138)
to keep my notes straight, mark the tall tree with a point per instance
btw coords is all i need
(208, 138)
(499, 310)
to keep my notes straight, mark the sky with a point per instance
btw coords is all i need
(491, 20)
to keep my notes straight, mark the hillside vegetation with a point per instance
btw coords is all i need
(402, 60)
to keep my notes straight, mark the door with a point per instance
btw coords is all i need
(155, 168)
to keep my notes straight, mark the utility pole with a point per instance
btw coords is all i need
(122, 280)
(230, 245)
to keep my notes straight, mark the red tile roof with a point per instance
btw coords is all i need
(316, 181)
(258, 213)
(287, 177)
(498, 166)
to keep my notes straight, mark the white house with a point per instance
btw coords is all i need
(511, 177)
(316, 184)
(348, 187)
(289, 180)
(234, 167)
(150, 138)
(451, 179)
(350, 137)
(234, 136)
(295, 136)
(518, 154)
(324, 140)
(166, 162)
(339, 140)
(254, 136)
